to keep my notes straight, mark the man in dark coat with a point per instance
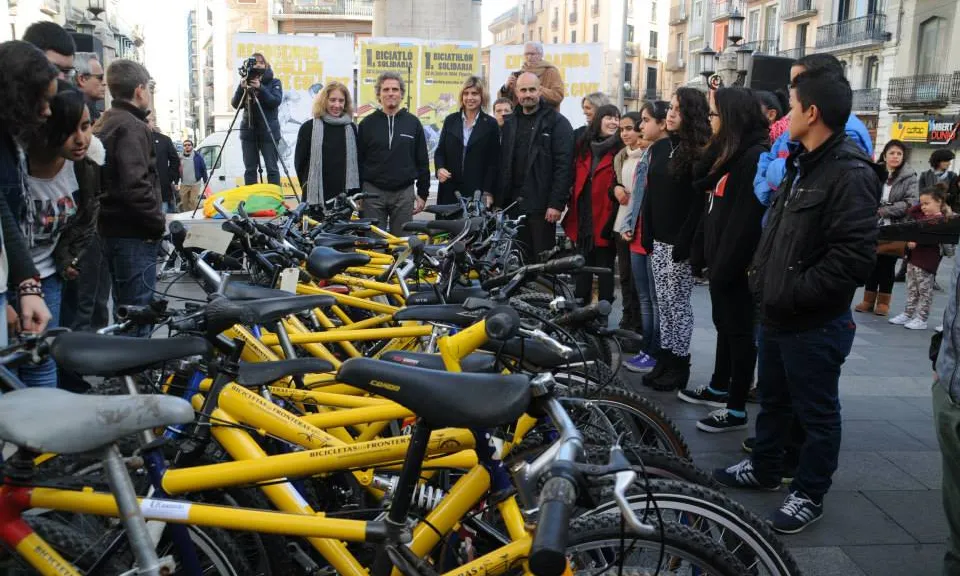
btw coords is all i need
(256, 138)
(168, 165)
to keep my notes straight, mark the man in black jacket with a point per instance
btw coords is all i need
(536, 159)
(168, 165)
(257, 139)
(392, 155)
(819, 245)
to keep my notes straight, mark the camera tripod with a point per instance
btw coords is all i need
(249, 96)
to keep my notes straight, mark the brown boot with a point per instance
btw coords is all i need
(883, 304)
(869, 300)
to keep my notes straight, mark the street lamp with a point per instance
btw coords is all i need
(85, 26)
(744, 58)
(96, 8)
(735, 33)
(708, 62)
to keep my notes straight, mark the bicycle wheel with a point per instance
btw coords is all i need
(598, 544)
(217, 552)
(656, 463)
(715, 516)
(76, 547)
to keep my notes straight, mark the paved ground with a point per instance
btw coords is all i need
(884, 515)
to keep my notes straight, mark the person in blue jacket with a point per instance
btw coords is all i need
(772, 166)
(255, 137)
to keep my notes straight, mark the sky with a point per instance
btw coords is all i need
(489, 10)
(165, 40)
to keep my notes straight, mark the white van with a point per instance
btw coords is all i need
(228, 174)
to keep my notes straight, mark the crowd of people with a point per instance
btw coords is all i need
(773, 199)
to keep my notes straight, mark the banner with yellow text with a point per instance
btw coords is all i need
(581, 67)
(379, 55)
(304, 65)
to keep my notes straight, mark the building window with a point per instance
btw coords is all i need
(843, 64)
(628, 73)
(932, 33)
(629, 32)
(801, 42)
(554, 39)
(697, 22)
(681, 49)
(653, 41)
(596, 32)
(540, 33)
(653, 10)
(770, 31)
(573, 37)
(753, 26)
(871, 70)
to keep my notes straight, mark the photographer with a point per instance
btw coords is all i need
(257, 139)
(551, 82)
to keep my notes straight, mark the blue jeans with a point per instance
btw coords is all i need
(252, 150)
(133, 265)
(799, 378)
(43, 375)
(85, 299)
(647, 294)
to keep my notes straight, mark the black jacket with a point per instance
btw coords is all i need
(672, 209)
(475, 170)
(130, 205)
(168, 164)
(820, 241)
(270, 95)
(393, 164)
(732, 219)
(334, 155)
(19, 262)
(82, 228)
(549, 172)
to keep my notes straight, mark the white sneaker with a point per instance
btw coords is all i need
(915, 324)
(900, 319)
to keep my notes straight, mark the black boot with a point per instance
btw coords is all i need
(664, 358)
(676, 377)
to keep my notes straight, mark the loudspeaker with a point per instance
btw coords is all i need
(768, 72)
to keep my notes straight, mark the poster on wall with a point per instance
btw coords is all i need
(581, 67)
(304, 65)
(387, 55)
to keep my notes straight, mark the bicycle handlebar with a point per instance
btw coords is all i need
(548, 554)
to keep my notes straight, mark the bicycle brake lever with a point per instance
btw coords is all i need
(624, 480)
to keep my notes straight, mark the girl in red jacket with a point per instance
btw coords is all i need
(592, 208)
(922, 261)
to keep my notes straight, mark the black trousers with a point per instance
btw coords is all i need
(601, 257)
(733, 317)
(536, 236)
(628, 289)
(884, 272)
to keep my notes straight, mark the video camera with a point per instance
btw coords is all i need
(248, 70)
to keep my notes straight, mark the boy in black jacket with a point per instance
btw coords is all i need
(818, 246)
(392, 155)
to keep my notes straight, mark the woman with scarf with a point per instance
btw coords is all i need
(64, 160)
(672, 210)
(326, 154)
(592, 208)
(632, 177)
(469, 149)
(27, 84)
(730, 234)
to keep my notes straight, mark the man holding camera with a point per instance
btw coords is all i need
(256, 138)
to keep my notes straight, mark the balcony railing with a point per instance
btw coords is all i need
(723, 9)
(676, 61)
(866, 100)
(630, 49)
(795, 53)
(651, 94)
(595, 8)
(797, 9)
(653, 53)
(955, 87)
(362, 8)
(869, 29)
(573, 17)
(766, 47)
(920, 91)
(678, 14)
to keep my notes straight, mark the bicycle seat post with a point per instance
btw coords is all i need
(146, 436)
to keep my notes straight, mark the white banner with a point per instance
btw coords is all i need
(581, 67)
(304, 65)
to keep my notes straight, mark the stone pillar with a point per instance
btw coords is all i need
(427, 19)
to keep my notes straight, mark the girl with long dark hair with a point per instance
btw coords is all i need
(326, 155)
(589, 219)
(731, 232)
(900, 192)
(672, 210)
(27, 83)
(63, 184)
(651, 129)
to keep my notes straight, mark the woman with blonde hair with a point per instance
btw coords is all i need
(467, 155)
(326, 153)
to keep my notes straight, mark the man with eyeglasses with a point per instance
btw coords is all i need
(56, 43)
(90, 82)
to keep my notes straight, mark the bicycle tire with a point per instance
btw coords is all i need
(75, 547)
(740, 530)
(679, 543)
(216, 546)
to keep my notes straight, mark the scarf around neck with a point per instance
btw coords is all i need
(315, 179)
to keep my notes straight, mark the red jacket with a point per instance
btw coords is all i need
(603, 206)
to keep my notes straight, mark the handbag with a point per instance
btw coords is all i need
(892, 248)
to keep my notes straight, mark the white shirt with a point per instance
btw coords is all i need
(467, 131)
(54, 202)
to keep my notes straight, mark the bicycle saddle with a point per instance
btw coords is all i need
(442, 313)
(54, 420)
(444, 210)
(442, 399)
(101, 355)
(335, 241)
(260, 373)
(448, 226)
(325, 263)
(417, 226)
(457, 296)
(355, 225)
(477, 363)
(538, 354)
(224, 313)
(247, 291)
